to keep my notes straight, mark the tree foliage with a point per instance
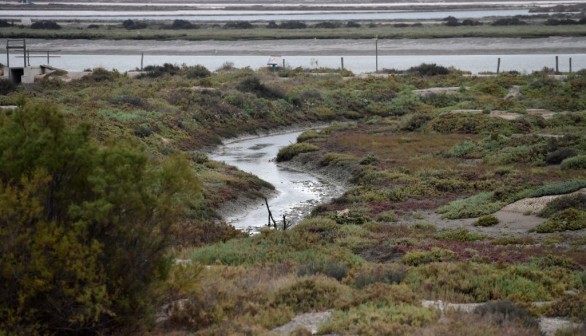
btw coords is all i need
(83, 228)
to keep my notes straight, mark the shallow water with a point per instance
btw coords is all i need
(297, 192)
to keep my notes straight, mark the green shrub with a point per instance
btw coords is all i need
(461, 149)
(387, 216)
(459, 235)
(198, 71)
(576, 162)
(506, 311)
(372, 319)
(576, 201)
(557, 188)
(313, 294)
(568, 219)
(252, 84)
(84, 228)
(569, 305)
(333, 269)
(413, 121)
(488, 220)
(377, 273)
(474, 206)
(289, 152)
(369, 159)
(418, 257)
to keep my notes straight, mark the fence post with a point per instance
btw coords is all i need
(141, 60)
(498, 66)
(570, 65)
(342, 62)
(557, 68)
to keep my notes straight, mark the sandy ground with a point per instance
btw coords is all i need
(440, 46)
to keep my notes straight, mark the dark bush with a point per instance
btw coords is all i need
(131, 24)
(506, 311)
(576, 201)
(5, 23)
(238, 25)
(129, 100)
(353, 24)
(379, 273)
(556, 22)
(93, 26)
(272, 25)
(429, 70)
(6, 86)
(100, 75)
(45, 24)
(154, 71)
(514, 21)
(451, 21)
(253, 84)
(292, 25)
(143, 131)
(559, 155)
(469, 22)
(333, 269)
(400, 25)
(198, 71)
(327, 24)
(183, 24)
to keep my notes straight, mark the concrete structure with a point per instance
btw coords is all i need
(27, 75)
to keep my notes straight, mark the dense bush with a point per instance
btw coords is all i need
(576, 162)
(5, 23)
(514, 21)
(198, 71)
(292, 25)
(253, 84)
(353, 24)
(568, 219)
(377, 273)
(577, 201)
(327, 24)
(557, 22)
(416, 258)
(84, 229)
(414, 121)
(429, 70)
(45, 24)
(238, 25)
(183, 24)
(559, 155)
(154, 71)
(6, 86)
(131, 24)
(506, 311)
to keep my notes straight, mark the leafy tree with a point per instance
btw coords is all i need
(83, 228)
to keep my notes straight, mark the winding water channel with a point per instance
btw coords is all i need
(297, 192)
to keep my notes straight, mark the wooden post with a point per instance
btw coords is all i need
(141, 60)
(284, 223)
(342, 62)
(283, 63)
(570, 65)
(376, 52)
(24, 51)
(498, 66)
(48, 61)
(557, 69)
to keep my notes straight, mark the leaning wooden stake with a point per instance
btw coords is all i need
(270, 214)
